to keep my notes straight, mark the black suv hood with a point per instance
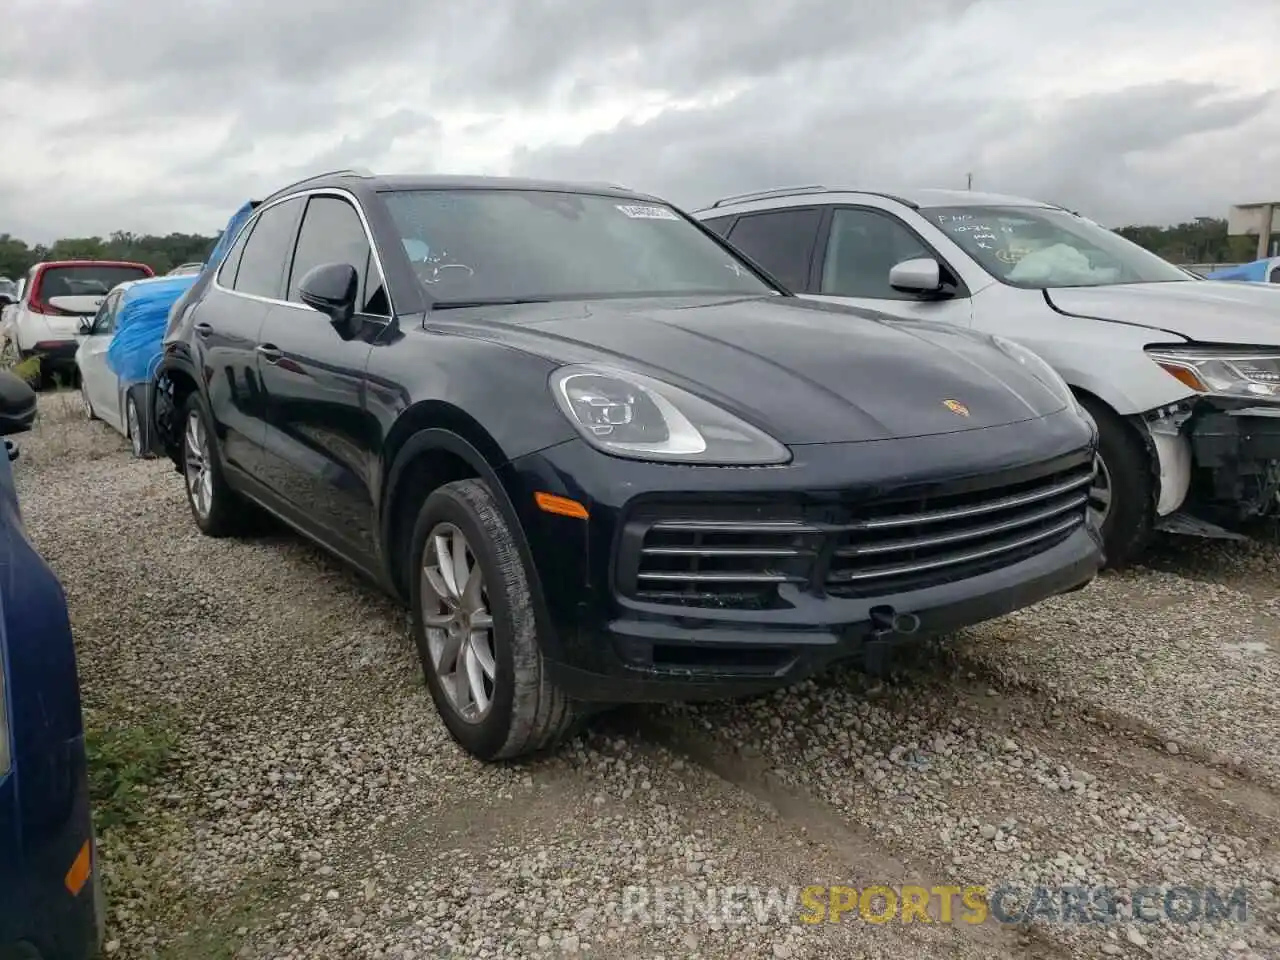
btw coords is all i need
(806, 372)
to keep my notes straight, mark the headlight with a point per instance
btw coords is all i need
(1223, 371)
(1038, 369)
(630, 415)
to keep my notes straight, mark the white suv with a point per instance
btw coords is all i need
(1181, 374)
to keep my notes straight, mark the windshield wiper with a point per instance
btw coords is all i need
(491, 302)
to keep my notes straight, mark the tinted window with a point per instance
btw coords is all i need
(90, 280)
(468, 245)
(1275, 275)
(863, 248)
(331, 233)
(262, 263)
(231, 262)
(781, 241)
(1040, 247)
(719, 224)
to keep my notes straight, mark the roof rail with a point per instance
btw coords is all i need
(769, 194)
(346, 171)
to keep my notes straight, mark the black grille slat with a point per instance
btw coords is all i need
(738, 556)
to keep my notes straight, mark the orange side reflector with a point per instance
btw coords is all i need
(78, 875)
(1187, 377)
(562, 506)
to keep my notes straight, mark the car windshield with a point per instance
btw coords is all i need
(1038, 247)
(483, 246)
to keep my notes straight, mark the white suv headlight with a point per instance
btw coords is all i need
(1222, 370)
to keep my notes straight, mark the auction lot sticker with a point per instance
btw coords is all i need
(639, 212)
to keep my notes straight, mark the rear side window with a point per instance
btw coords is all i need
(262, 264)
(87, 280)
(331, 233)
(781, 241)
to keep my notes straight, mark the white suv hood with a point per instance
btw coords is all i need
(1210, 311)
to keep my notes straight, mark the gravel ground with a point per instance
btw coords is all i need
(315, 807)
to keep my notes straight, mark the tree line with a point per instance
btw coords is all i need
(1203, 240)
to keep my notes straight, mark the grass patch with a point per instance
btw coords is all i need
(123, 764)
(28, 370)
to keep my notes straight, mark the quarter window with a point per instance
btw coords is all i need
(231, 262)
(718, 225)
(267, 250)
(780, 241)
(332, 232)
(864, 246)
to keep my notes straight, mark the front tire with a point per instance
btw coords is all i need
(216, 509)
(1123, 495)
(475, 628)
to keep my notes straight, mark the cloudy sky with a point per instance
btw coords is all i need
(155, 116)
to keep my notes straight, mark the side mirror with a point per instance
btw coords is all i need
(86, 325)
(331, 289)
(923, 275)
(17, 404)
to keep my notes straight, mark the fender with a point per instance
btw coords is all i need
(436, 438)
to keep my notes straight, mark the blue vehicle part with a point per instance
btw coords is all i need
(49, 890)
(144, 311)
(1256, 272)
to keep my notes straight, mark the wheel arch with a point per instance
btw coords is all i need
(431, 444)
(173, 384)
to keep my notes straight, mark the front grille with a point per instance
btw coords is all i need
(750, 556)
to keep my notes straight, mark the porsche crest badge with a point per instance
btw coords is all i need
(956, 407)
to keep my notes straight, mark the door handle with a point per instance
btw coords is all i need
(203, 329)
(270, 353)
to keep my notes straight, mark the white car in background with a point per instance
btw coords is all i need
(55, 297)
(1182, 374)
(101, 393)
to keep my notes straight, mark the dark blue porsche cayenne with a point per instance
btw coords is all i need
(50, 894)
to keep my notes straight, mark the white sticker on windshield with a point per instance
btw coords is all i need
(638, 212)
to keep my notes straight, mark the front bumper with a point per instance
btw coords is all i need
(609, 635)
(1232, 472)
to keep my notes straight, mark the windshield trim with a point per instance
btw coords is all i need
(1047, 213)
(774, 286)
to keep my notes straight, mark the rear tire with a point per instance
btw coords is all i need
(517, 710)
(217, 510)
(133, 427)
(86, 402)
(1127, 470)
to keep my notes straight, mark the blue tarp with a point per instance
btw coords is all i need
(144, 313)
(1255, 272)
(229, 234)
(140, 323)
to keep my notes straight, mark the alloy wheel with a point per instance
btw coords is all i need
(135, 428)
(1100, 492)
(196, 462)
(458, 624)
(85, 403)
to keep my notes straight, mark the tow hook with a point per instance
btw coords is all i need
(887, 625)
